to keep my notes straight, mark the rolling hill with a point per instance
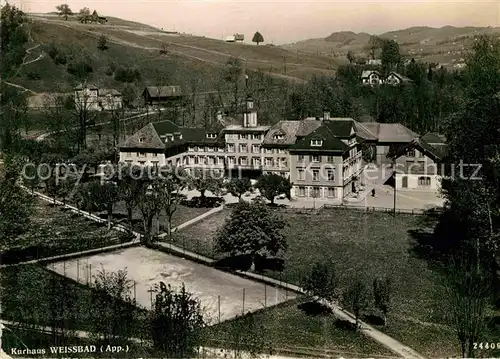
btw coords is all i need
(446, 45)
(131, 44)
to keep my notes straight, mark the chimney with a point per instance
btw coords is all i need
(326, 115)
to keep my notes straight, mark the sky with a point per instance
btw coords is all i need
(285, 21)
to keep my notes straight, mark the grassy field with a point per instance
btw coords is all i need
(55, 231)
(359, 244)
(293, 332)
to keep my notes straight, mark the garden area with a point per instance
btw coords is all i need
(357, 244)
(56, 230)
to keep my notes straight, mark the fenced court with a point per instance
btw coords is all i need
(222, 295)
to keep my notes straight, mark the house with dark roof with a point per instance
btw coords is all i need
(395, 79)
(161, 95)
(389, 136)
(93, 98)
(420, 163)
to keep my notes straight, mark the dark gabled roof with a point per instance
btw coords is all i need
(149, 136)
(166, 127)
(341, 128)
(401, 77)
(436, 152)
(367, 73)
(330, 141)
(363, 133)
(162, 91)
(111, 92)
(307, 126)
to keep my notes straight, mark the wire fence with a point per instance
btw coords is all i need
(222, 296)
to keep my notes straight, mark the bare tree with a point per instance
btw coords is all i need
(174, 181)
(357, 298)
(85, 112)
(467, 293)
(382, 289)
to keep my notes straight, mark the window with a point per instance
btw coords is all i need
(269, 162)
(424, 181)
(142, 163)
(191, 149)
(141, 139)
(129, 162)
(211, 135)
(332, 192)
(268, 150)
(315, 192)
(142, 154)
(230, 148)
(315, 158)
(220, 160)
(317, 143)
(255, 149)
(283, 162)
(256, 161)
(154, 154)
(128, 154)
(220, 149)
(281, 150)
(243, 161)
(155, 164)
(315, 175)
(243, 148)
(410, 153)
(330, 159)
(196, 160)
(256, 137)
(300, 158)
(195, 149)
(302, 191)
(279, 137)
(301, 175)
(211, 160)
(232, 160)
(243, 136)
(210, 149)
(331, 175)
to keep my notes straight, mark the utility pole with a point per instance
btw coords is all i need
(284, 63)
(395, 184)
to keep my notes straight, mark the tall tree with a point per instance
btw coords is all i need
(129, 189)
(390, 55)
(205, 180)
(257, 38)
(84, 15)
(252, 229)
(357, 298)
(150, 203)
(176, 322)
(374, 44)
(174, 182)
(64, 10)
(350, 57)
(382, 292)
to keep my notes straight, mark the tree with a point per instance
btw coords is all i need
(176, 322)
(239, 186)
(252, 229)
(150, 203)
(174, 182)
(357, 298)
(108, 195)
(129, 189)
(350, 57)
(390, 54)
(13, 39)
(467, 295)
(112, 305)
(257, 38)
(272, 185)
(84, 15)
(102, 43)
(67, 185)
(64, 10)
(164, 48)
(129, 94)
(382, 292)
(85, 115)
(205, 180)
(321, 282)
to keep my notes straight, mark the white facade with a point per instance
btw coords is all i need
(420, 182)
(143, 158)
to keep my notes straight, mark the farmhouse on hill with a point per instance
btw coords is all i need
(161, 95)
(371, 77)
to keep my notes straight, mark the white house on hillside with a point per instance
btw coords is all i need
(90, 97)
(371, 77)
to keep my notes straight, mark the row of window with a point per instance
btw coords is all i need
(330, 175)
(316, 192)
(142, 154)
(244, 136)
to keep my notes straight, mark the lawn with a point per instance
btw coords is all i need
(293, 332)
(55, 231)
(359, 244)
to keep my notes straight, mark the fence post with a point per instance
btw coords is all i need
(265, 295)
(90, 273)
(64, 268)
(243, 309)
(78, 271)
(218, 306)
(135, 298)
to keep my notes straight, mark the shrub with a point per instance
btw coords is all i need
(80, 68)
(61, 59)
(33, 76)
